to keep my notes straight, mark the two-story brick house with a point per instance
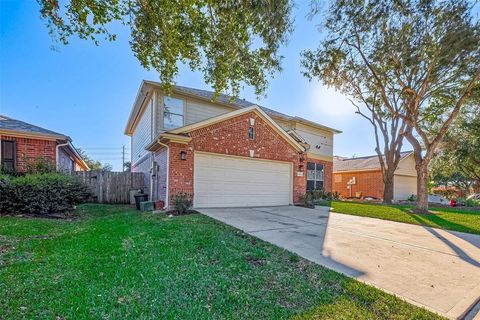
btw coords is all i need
(225, 153)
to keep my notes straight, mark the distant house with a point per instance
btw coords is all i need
(361, 177)
(22, 142)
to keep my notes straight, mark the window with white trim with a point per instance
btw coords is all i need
(314, 176)
(173, 112)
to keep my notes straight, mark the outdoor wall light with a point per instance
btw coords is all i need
(183, 155)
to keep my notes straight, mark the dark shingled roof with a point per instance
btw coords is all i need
(360, 163)
(8, 123)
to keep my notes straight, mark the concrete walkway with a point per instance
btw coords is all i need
(432, 268)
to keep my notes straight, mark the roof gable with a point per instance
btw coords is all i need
(236, 113)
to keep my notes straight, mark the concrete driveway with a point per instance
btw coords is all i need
(433, 268)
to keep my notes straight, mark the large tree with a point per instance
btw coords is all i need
(338, 63)
(458, 162)
(230, 42)
(421, 57)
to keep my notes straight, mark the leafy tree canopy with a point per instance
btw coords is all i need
(93, 164)
(230, 42)
(414, 60)
(458, 162)
(399, 51)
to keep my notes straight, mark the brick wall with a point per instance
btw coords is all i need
(181, 171)
(28, 149)
(370, 183)
(230, 137)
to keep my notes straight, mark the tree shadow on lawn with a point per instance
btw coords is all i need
(436, 220)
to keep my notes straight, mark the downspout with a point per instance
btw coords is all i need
(57, 152)
(168, 172)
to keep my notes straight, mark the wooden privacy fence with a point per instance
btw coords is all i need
(112, 187)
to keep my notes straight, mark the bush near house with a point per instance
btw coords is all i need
(39, 165)
(318, 197)
(40, 194)
(182, 202)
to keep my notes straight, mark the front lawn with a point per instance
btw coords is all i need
(116, 263)
(445, 218)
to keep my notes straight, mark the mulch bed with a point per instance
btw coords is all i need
(176, 213)
(305, 205)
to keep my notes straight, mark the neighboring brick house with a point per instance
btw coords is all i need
(22, 143)
(361, 177)
(226, 153)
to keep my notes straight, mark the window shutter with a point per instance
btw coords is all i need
(8, 155)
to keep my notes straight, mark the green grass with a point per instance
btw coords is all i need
(116, 263)
(445, 218)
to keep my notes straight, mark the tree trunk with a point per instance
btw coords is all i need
(422, 190)
(388, 186)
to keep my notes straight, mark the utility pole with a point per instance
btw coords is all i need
(123, 158)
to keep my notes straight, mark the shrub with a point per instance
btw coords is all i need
(335, 195)
(307, 200)
(472, 203)
(182, 202)
(39, 165)
(41, 194)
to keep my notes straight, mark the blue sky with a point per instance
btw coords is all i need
(86, 91)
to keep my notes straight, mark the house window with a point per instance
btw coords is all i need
(8, 155)
(251, 133)
(173, 113)
(314, 176)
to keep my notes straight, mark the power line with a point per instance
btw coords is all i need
(123, 158)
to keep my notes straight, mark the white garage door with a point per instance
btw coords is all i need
(404, 187)
(225, 181)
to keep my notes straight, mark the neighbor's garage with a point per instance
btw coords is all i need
(229, 181)
(404, 187)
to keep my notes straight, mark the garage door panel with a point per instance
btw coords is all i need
(404, 186)
(231, 175)
(223, 181)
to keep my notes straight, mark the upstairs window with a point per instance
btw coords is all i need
(251, 133)
(8, 155)
(173, 113)
(314, 176)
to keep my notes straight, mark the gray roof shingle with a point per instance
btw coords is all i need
(241, 103)
(8, 123)
(360, 163)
